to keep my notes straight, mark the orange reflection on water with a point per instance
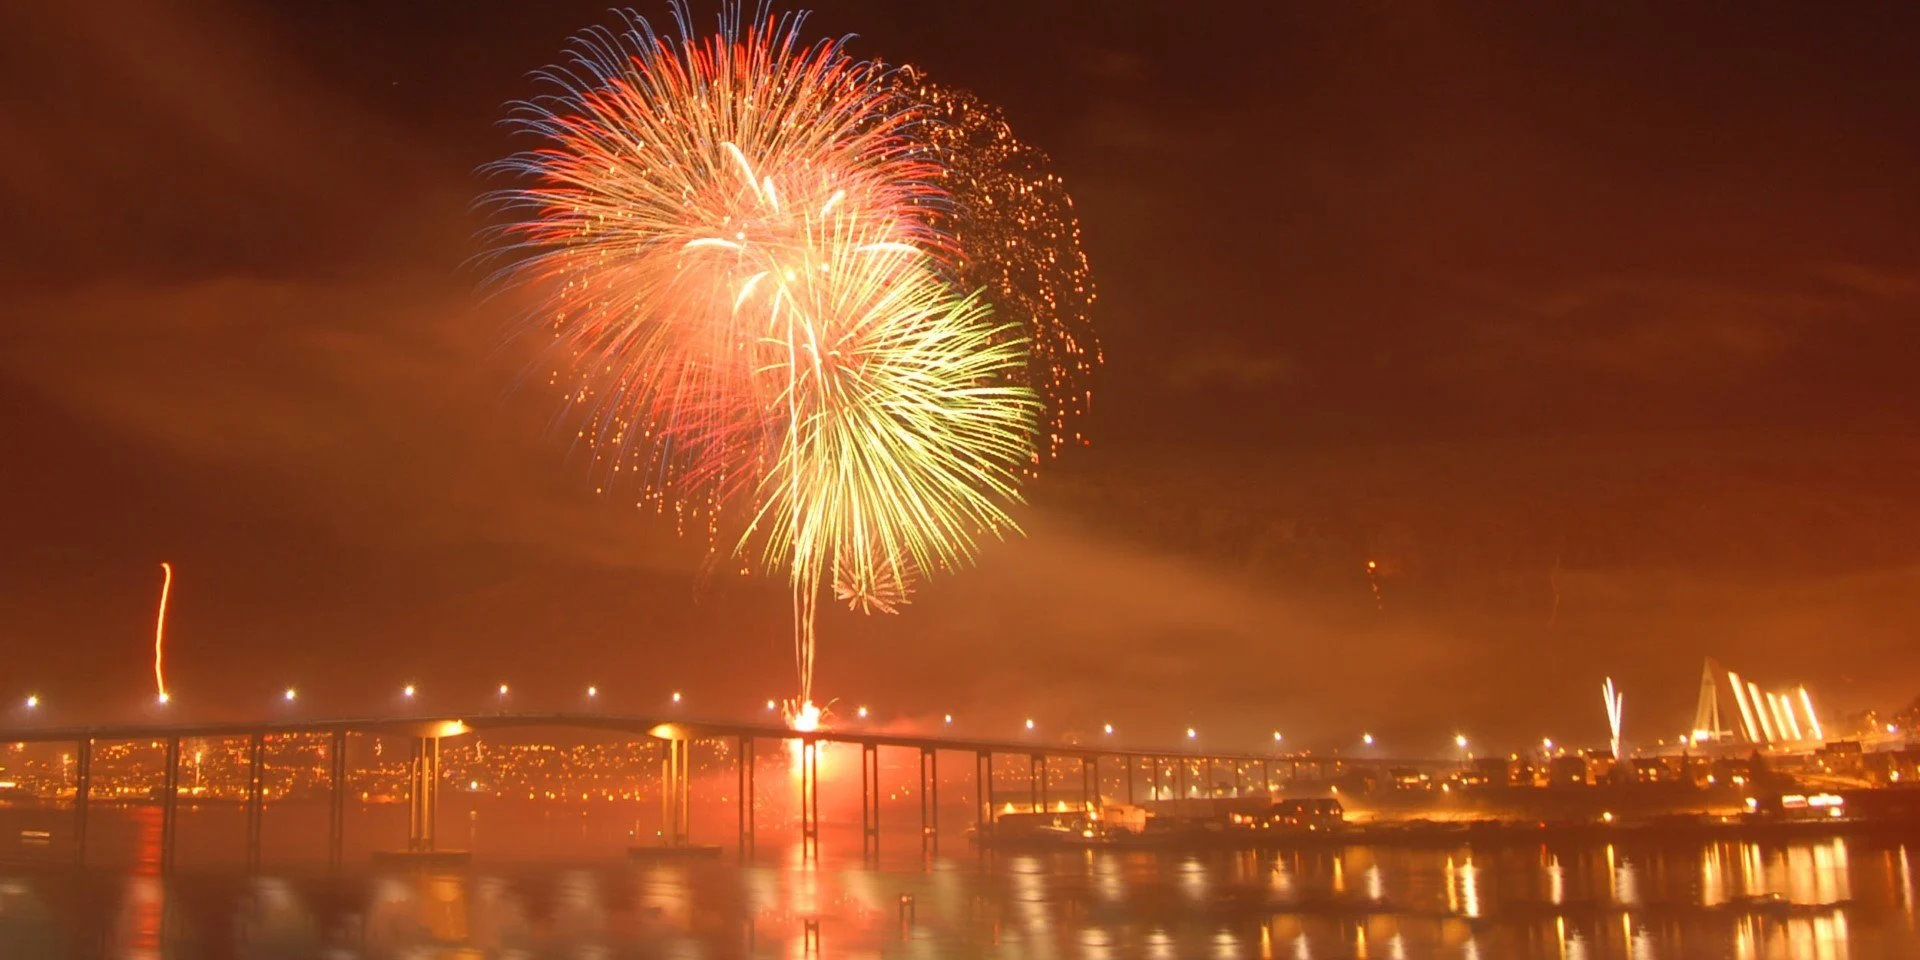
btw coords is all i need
(143, 913)
(1767, 900)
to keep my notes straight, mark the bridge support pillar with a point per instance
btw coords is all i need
(676, 789)
(929, 801)
(256, 799)
(1088, 768)
(1037, 782)
(336, 799)
(1185, 764)
(423, 795)
(810, 799)
(169, 805)
(82, 791)
(1126, 765)
(982, 793)
(745, 796)
(869, 800)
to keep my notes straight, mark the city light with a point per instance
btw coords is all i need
(1192, 733)
(1546, 743)
(1277, 737)
(503, 689)
(1029, 723)
(1367, 738)
(407, 691)
(1109, 729)
(165, 699)
(862, 712)
(290, 695)
(676, 696)
(771, 706)
(1460, 740)
(33, 700)
(592, 692)
(949, 719)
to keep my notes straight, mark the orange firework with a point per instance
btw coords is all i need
(670, 171)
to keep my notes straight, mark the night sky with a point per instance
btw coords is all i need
(1593, 325)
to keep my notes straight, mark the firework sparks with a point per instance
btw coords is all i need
(1018, 243)
(744, 250)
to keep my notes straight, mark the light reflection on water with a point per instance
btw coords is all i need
(1820, 899)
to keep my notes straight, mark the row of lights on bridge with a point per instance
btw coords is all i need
(410, 691)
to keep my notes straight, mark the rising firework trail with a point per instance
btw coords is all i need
(160, 635)
(765, 304)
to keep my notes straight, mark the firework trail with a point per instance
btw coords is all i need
(755, 280)
(160, 634)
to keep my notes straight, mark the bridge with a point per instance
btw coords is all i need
(674, 737)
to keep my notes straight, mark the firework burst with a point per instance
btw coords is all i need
(753, 256)
(649, 146)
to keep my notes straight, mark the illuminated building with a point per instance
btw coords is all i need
(1739, 712)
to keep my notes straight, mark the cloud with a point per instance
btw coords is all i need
(381, 407)
(1234, 371)
(1649, 328)
(174, 139)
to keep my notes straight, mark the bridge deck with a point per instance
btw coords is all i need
(648, 726)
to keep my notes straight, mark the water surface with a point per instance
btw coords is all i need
(1831, 898)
